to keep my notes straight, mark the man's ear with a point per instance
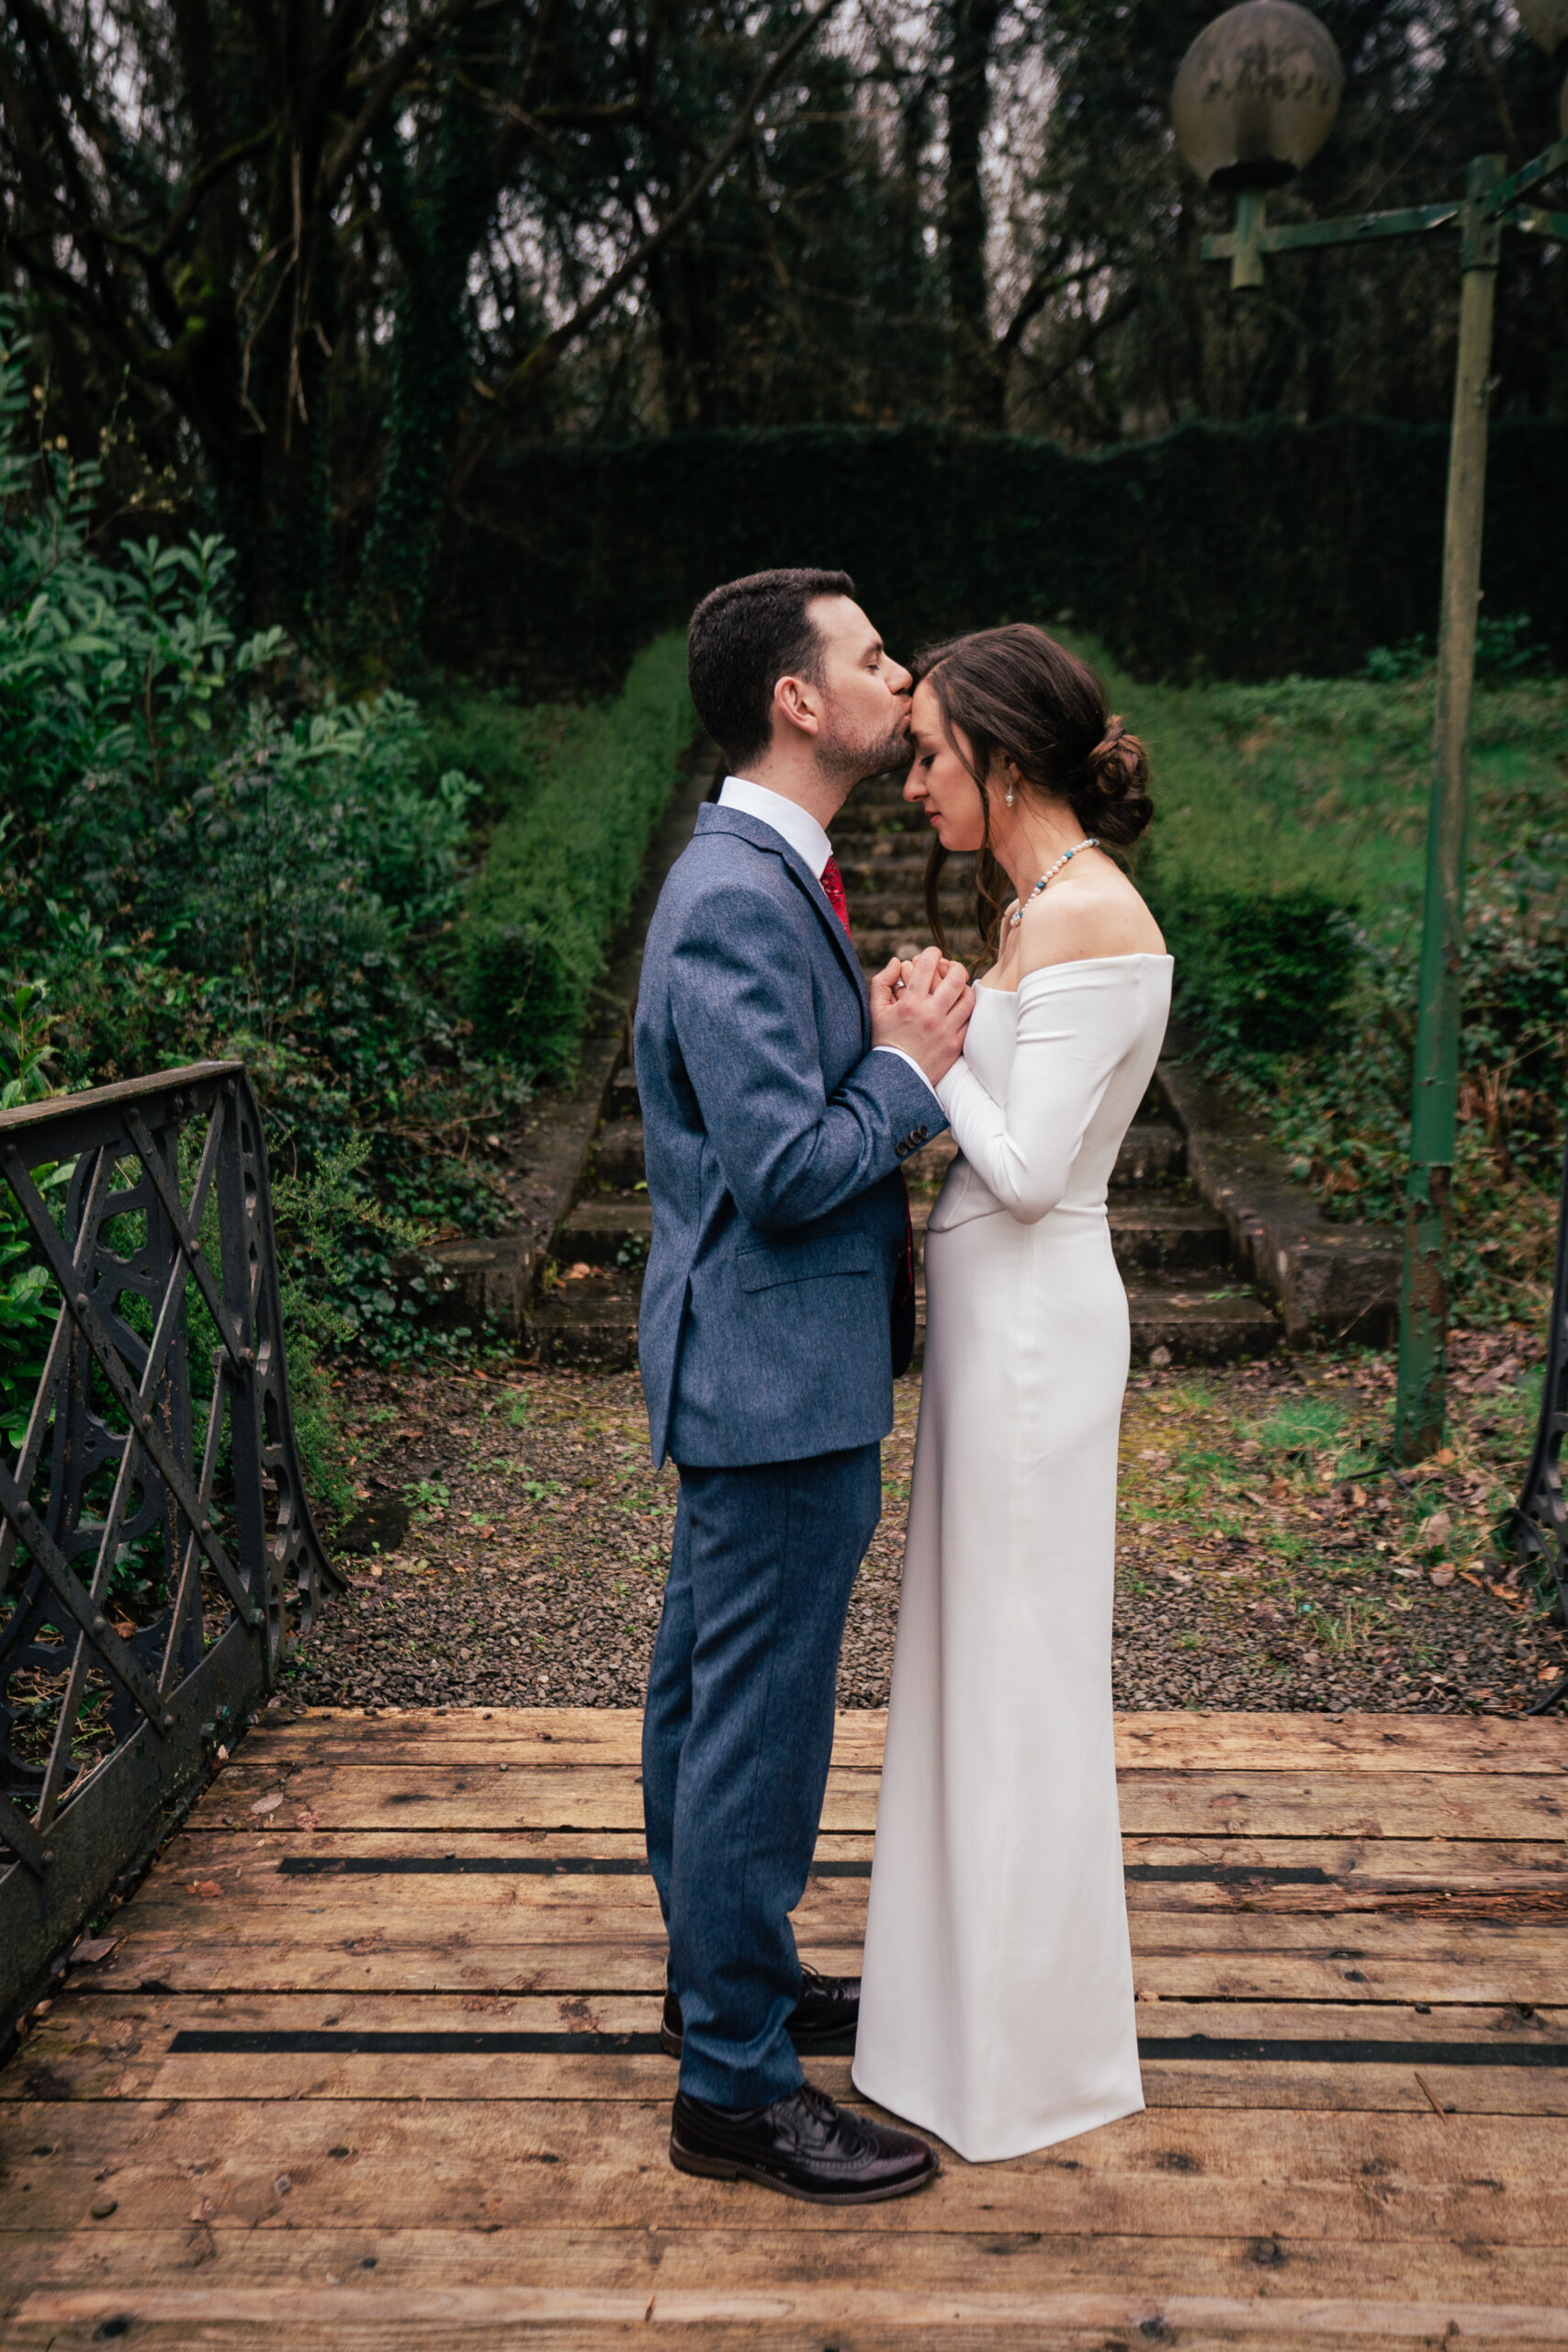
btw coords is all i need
(799, 703)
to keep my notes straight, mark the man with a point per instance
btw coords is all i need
(779, 1097)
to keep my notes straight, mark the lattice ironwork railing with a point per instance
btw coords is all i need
(157, 1560)
(1539, 1517)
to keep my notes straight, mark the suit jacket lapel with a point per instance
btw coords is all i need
(713, 818)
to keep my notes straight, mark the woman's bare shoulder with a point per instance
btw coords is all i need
(1104, 916)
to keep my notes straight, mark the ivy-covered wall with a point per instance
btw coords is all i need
(1242, 551)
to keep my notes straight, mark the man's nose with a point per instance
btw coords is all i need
(901, 681)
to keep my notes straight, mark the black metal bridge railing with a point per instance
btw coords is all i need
(157, 1560)
(1540, 1520)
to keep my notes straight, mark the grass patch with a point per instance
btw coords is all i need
(579, 803)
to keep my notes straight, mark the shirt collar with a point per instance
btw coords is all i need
(799, 829)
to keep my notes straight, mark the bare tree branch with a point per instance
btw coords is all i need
(385, 84)
(547, 355)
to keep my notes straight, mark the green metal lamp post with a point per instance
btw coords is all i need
(1255, 98)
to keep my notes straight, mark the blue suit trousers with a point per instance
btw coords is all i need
(737, 1741)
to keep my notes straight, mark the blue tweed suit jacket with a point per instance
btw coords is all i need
(771, 1135)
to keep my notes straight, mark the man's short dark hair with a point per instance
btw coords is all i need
(744, 638)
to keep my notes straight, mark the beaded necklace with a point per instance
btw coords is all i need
(1065, 858)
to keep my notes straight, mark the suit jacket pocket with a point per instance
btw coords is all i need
(804, 1261)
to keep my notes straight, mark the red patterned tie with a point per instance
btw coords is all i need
(833, 891)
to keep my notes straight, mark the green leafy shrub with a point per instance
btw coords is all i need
(29, 1299)
(1266, 971)
(1345, 1113)
(206, 855)
(564, 860)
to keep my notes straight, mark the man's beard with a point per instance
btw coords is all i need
(850, 759)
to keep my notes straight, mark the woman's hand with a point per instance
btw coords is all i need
(922, 1009)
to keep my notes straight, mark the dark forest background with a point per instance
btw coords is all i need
(343, 278)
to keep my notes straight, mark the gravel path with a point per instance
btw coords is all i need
(1265, 1558)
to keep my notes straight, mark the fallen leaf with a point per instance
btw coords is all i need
(204, 2212)
(1437, 1529)
(305, 1820)
(207, 1888)
(1441, 1576)
(269, 1803)
(1359, 1496)
(1547, 1673)
(91, 1949)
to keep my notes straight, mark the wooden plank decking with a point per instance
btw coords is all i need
(373, 2065)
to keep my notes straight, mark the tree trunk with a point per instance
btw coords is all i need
(975, 381)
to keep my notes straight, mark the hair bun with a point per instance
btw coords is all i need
(1114, 803)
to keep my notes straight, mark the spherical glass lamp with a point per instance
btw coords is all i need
(1257, 93)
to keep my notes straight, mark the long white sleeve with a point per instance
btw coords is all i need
(1067, 1050)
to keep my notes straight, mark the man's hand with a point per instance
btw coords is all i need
(922, 1008)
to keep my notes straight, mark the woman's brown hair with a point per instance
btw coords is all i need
(1017, 694)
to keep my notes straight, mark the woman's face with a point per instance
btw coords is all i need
(939, 782)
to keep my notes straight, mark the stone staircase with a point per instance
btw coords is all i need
(1175, 1250)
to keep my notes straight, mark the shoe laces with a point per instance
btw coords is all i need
(832, 2122)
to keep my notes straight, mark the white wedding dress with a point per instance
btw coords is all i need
(997, 2001)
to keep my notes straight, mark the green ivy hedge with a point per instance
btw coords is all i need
(562, 866)
(1241, 552)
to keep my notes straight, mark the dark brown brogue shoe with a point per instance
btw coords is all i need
(825, 2016)
(804, 2145)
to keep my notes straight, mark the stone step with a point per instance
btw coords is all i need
(891, 864)
(592, 1322)
(905, 911)
(612, 1233)
(875, 943)
(584, 1326)
(618, 1153)
(1198, 1323)
(1153, 1152)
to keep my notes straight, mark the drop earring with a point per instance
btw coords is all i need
(1010, 796)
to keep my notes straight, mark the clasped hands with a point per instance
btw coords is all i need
(923, 1009)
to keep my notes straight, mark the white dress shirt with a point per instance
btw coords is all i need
(805, 837)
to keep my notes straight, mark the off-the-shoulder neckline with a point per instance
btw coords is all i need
(1074, 964)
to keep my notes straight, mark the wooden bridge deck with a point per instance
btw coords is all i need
(372, 2064)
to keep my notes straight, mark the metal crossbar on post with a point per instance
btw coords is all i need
(152, 1579)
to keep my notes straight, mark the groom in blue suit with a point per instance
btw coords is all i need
(780, 1096)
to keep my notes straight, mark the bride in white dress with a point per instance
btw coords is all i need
(997, 2000)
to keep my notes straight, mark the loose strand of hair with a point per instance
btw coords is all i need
(934, 865)
(990, 899)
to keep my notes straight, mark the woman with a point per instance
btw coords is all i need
(997, 2005)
